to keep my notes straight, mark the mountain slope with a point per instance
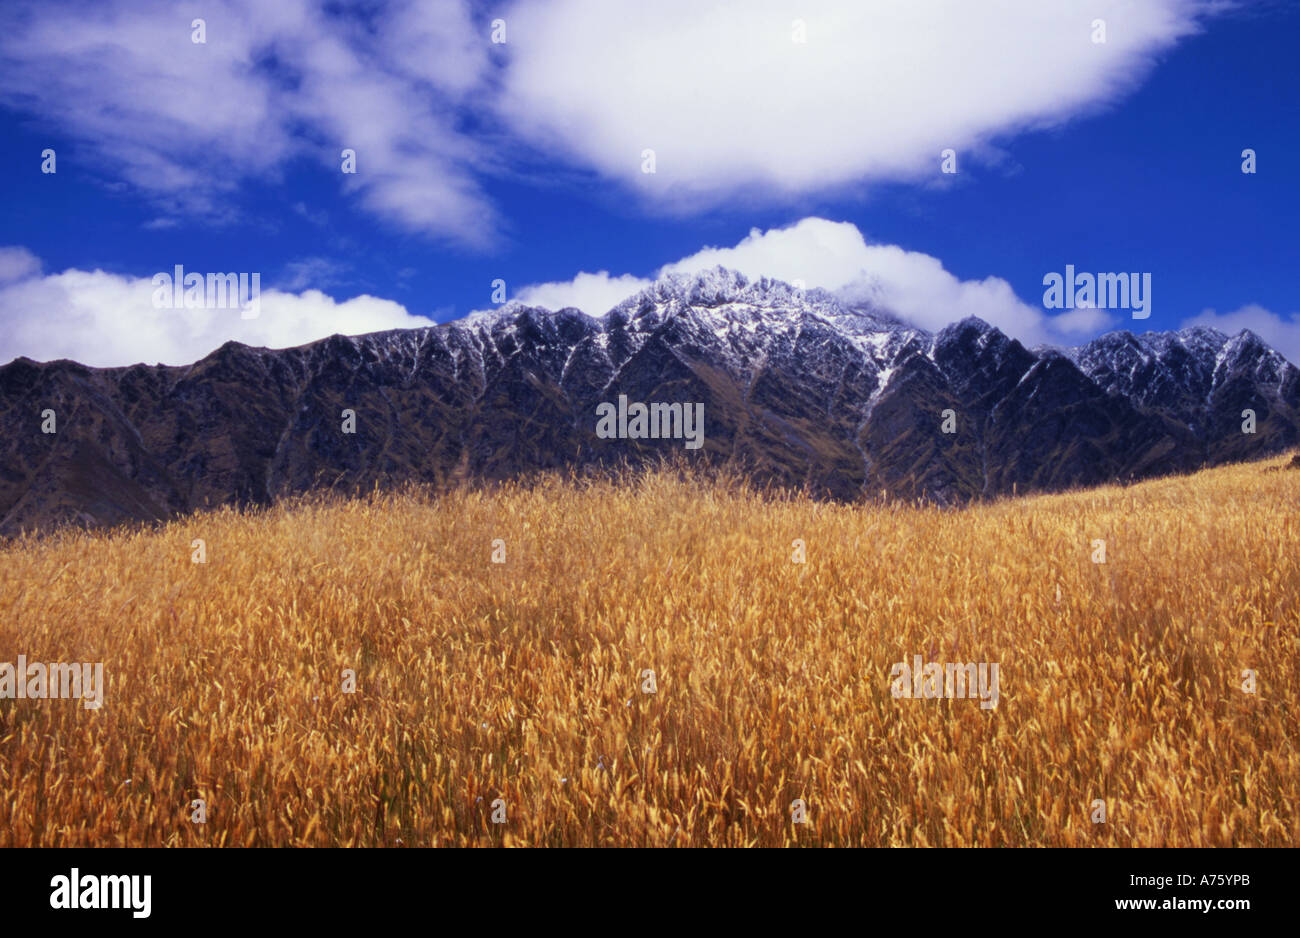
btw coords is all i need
(797, 389)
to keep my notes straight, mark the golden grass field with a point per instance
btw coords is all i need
(522, 680)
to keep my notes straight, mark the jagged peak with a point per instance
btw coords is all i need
(22, 361)
(719, 286)
(232, 347)
(1248, 346)
(1189, 338)
(971, 329)
(1158, 344)
(1115, 337)
(1204, 331)
(674, 291)
(1247, 338)
(967, 324)
(488, 318)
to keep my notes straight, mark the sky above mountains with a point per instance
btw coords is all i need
(503, 151)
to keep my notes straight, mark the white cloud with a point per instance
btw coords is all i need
(17, 263)
(1281, 332)
(101, 318)
(1081, 321)
(836, 257)
(104, 319)
(187, 123)
(730, 102)
(318, 272)
(592, 293)
(731, 105)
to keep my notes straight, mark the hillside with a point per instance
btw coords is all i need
(523, 680)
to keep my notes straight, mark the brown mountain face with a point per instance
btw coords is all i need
(797, 391)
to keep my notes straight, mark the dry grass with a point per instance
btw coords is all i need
(522, 680)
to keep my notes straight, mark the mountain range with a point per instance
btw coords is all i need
(800, 389)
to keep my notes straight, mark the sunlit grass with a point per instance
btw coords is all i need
(522, 681)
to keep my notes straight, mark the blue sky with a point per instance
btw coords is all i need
(522, 160)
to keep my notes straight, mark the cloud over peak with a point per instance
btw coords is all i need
(106, 319)
(834, 256)
(102, 318)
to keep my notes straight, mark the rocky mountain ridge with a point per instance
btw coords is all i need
(798, 389)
